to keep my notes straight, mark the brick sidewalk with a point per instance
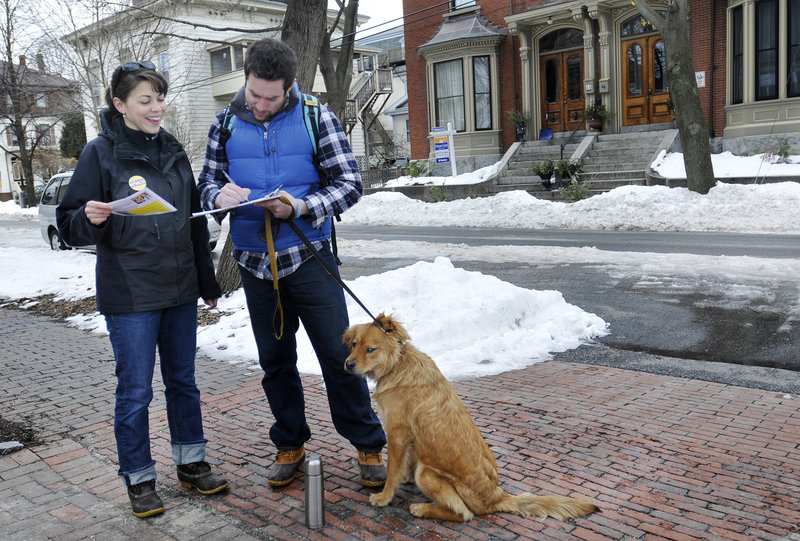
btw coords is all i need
(663, 457)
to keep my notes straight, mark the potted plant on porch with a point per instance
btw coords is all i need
(520, 119)
(596, 113)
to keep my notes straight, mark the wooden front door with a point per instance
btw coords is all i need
(563, 103)
(645, 90)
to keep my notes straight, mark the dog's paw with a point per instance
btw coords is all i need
(380, 499)
(416, 509)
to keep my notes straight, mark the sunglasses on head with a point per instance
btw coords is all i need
(129, 67)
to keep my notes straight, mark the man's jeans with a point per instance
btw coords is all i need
(134, 338)
(312, 296)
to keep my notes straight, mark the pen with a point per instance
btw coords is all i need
(271, 195)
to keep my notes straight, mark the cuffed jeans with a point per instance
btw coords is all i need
(134, 338)
(312, 296)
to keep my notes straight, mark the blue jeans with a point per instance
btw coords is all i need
(134, 338)
(312, 296)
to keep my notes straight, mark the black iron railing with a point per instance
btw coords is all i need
(575, 129)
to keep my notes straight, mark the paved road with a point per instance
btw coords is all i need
(701, 243)
(741, 320)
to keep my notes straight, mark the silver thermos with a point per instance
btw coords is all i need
(315, 494)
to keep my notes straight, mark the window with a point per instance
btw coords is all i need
(737, 56)
(41, 100)
(449, 88)
(220, 62)
(44, 134)
(369, 63)
(408, 130)
(793, 72)
(163, 59)
(238, 55)
(99, 93)
(228, 59)
(660, 67)
(458, 4)
(11, 137)
(767, 49)
(482, 83)
(562, 39)
(49, 194)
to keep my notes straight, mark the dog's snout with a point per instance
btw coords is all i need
(350, 366)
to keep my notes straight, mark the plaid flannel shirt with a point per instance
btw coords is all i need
(344, 190)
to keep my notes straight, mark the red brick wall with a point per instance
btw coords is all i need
(708, 48)
(708, 36)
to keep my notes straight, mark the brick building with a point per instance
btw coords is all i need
(470, 61)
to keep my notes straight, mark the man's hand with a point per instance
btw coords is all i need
(284, 208)
(97, 211)
(230, 194)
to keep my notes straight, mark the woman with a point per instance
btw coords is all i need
(150, 272)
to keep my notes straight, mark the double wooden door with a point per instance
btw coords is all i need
(645, 88)
(563, 103)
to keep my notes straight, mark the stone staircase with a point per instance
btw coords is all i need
(619, 159)
(519, 176)
(608, 161)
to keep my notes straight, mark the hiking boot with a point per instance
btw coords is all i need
(286, 465)
(199, 476)
(144, 500)
(373, 472)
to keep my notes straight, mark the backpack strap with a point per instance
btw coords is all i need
(226, 125)
(311, 116)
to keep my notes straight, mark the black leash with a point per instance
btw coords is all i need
(325, 266)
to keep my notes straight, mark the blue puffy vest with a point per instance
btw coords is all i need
(264, 160)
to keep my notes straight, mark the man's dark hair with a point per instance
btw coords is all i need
(271, 60)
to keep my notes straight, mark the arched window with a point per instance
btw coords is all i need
(561, 39)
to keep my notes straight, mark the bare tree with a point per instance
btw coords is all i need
(35, 100)
(97, 42)
(337, 77)
(674, 27)
(303, 31)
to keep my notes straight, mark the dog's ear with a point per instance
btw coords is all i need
(385, 322)
(393, 327)
(349, 337)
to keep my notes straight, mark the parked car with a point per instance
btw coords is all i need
(51, 197)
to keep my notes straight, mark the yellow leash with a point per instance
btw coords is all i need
(273, 268)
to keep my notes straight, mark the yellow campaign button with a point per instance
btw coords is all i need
(137, 182)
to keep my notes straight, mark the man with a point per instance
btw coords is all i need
(266, 145)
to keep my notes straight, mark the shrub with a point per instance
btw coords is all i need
(544, 169)
(417, 168)
(568, 168)
(575, 191)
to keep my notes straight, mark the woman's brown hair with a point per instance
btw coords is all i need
(127, 80)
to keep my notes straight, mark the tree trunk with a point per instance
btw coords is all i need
(227, 269)
(683, 89)
(303, 31)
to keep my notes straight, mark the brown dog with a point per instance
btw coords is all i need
(432, 440)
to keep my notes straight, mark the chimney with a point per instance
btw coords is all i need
(40, 62)
(22, 61)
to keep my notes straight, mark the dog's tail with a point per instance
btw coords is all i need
(541, 507)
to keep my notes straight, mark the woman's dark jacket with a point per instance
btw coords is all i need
(143, 262)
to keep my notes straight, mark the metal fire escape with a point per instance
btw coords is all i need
(359, 106)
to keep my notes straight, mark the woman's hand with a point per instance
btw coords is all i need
(97, 212)
(211, 303)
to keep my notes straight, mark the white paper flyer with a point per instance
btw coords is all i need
(142, 203)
